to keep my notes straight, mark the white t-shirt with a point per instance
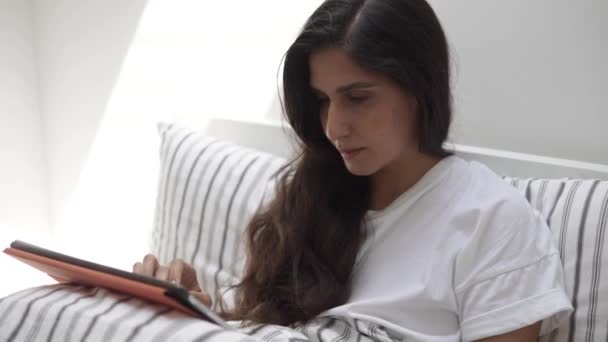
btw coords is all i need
(460, 256)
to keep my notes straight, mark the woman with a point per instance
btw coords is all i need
(376, 220)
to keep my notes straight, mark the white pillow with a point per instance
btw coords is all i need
(208, 191)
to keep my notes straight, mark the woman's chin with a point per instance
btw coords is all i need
(358, 170)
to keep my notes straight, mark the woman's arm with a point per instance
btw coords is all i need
(526, 334)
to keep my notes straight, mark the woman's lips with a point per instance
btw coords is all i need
(349, 154)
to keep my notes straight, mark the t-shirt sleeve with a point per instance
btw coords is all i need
(509, 277)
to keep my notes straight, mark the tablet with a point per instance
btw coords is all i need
(67, 269)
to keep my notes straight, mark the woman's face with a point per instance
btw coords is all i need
(369, 118)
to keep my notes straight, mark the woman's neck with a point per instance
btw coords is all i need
(398, 177)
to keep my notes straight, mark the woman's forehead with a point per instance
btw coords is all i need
(332, 68)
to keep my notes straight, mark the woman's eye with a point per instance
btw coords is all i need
(357, 99)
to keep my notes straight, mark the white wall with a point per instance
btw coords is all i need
(81, 46)
(23, 185)
(531, 76)
(23, 201)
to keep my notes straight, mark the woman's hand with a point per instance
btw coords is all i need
(177, 271)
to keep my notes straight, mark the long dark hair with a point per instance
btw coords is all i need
(302, 248)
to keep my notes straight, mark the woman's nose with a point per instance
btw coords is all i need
(337, 125)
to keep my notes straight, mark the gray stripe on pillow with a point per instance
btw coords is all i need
(528, 191)
(227, 221)
(232, 164)
(28, 308)
(91, 327)
(202, 213)
(197, 210)
(563, 230)
(272, 334)
(579, 256)
(163, 151)
(209, 334)
(163, 209)
(16, 298)
(541, 195)
(597, 267)
(97, 302)
(173, 329)
(43, 312)
(179, 245)
(560, 192)
(231, 173)
(178, 188)
(115, 322)
(65, 307)
(255, 330)
(566, 217)
(146, 323)
(167, 159)
(164, 131)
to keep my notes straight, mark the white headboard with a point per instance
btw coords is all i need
(275, 138)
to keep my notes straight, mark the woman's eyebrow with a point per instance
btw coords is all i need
(348, 87)
(355, 86)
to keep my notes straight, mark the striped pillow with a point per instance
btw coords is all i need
(208, 191)
(577, 213)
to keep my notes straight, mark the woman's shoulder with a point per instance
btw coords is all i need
(486, 192)
(458, 195)
(493, 218)
(489, 205)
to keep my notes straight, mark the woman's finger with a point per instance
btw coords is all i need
(176, 268)
(189, 279)
(138, 268)
(162, 273)
(202, 297)
(150, 265)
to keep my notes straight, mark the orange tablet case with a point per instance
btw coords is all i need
(66, 269)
